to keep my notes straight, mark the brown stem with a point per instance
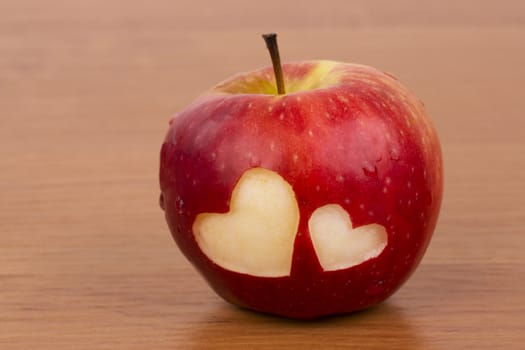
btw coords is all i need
(271, 44)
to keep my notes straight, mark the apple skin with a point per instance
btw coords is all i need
(365, 142)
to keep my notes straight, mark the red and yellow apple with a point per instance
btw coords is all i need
(318, 201)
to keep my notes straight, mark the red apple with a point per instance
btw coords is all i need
(318, 201)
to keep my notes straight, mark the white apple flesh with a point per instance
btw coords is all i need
(337, 244)
(257, 235)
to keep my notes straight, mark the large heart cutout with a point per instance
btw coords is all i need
(256, 236)
(337, 244)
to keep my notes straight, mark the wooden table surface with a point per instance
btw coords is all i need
(86, 90)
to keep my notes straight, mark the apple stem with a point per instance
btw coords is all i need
(271, 44)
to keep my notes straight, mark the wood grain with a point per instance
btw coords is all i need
(86, 90)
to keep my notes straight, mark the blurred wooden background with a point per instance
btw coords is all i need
(86, 90)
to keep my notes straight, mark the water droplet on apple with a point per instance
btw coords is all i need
(394, 154)
(172, 119)
(161, 201)
(408, 259)
(370, 170)
(376, 288)
(179, 204)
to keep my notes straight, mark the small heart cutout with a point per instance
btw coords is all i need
(256, 236)
(337, 244)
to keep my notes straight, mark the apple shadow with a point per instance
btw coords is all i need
(383, 326)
